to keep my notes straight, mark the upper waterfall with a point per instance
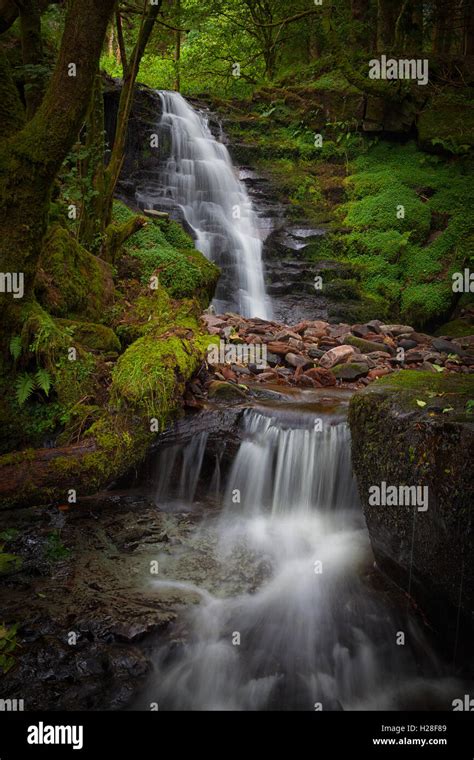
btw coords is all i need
(197, 180)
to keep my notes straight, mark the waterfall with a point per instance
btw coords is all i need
(197, 182)
(289, 615)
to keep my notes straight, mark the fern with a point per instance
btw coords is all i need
(24, 387)
(43, 381)
(15, 347)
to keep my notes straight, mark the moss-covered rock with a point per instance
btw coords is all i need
(164, 249)
(91, 335)
(409, 428)
(70, 281)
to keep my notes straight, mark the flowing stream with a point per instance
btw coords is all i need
(198, 182)
(286, 609)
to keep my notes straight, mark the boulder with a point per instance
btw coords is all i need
(398, 441)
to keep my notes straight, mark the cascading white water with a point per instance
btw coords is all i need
(305, 627)
(197, 178)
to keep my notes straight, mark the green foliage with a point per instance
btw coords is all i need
(15, 347)
(8, 645)
(43, 380)
(24, 387)
(26, 383)
(55, 550)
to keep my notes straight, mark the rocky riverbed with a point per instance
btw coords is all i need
(315, 354)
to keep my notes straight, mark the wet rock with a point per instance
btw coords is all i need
(337, 355)
(224, 390)
(350, 371)
(396, 441)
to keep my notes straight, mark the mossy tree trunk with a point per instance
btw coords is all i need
(30, 158)
(32, 52)
(94, 168)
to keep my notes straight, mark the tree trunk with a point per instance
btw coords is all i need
(114, 167)
(94, 168)
(31, 158)
(387, 13)
(442, 35)
(32, 52)
(468, 28)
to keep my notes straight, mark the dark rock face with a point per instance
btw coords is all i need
(395, 439)
(145, 114)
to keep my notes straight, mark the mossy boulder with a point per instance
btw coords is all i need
(408, 429)
(164, 249)
(151, 375)
(70, 281)
(91, 335)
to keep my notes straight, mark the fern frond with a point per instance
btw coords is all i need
(24, 387)
(15, 347)
(43, 380)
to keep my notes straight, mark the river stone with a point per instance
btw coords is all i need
(447, 347)
(368, 346)
(376, 355)
(337, 355)
(396, 329)
(294, 360)
(407, 344)
(361, 331)
(374, 325)
(272, 359)
(350, 371)
(223, 390)
(315, 353)
(278, 348)
(322, 377)
(338, 331)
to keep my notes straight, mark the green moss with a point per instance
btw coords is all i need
(90, 335)
(457, 328)
(71, 281)
(163, 248)
(441, 382)
(152, 372)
